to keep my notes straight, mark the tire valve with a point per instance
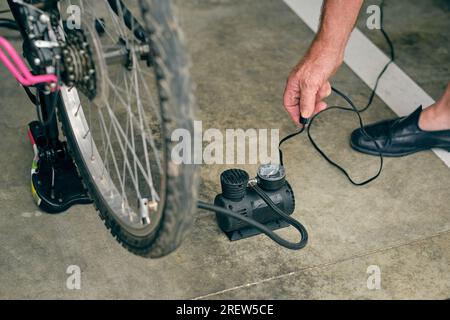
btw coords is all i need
(145, 208)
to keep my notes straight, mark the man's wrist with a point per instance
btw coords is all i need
(337, 22)
(332, 52)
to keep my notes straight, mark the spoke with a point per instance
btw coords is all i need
(141, 124)
(123, 28)
(91, 13)
(113, 158)
(123, 181)
(121, 135)
(144, 83)
(137, 123)
(105, 145)
(130, 124)
(92, 139)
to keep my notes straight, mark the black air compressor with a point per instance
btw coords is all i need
(243, 196)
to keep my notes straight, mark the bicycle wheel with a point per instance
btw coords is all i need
(130, 88)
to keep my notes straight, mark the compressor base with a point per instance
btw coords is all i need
(251, 231)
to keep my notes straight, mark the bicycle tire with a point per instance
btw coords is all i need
(177, 103)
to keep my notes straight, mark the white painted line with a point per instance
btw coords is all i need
(396, 88)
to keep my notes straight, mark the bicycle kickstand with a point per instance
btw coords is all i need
(55, 182)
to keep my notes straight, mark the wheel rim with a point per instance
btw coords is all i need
(120, 133)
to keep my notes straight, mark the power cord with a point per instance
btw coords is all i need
(358, 112)
(308, 123)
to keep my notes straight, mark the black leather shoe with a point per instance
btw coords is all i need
(399, 137)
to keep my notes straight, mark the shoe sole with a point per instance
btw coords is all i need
(393, 155)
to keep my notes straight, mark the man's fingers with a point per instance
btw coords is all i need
(320, 106)
(291, 99)
(304, 100)
(307, 102)
(291, 93)
(294, 112)
(324, 91)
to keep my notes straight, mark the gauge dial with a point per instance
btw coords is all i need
(271, 176)
(271, 172)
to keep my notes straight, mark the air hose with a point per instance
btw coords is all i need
(261, 227)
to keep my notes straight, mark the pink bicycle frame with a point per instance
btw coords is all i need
(18, 68)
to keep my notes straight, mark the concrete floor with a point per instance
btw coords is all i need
(242, 52)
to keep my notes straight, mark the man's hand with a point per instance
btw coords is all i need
(308, 84)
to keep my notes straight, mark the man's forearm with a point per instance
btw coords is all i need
(337, 22)
(309, 82)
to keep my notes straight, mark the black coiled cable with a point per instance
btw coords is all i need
(358, 112)
(296, 224)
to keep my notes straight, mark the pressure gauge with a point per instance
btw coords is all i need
(271, 176)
